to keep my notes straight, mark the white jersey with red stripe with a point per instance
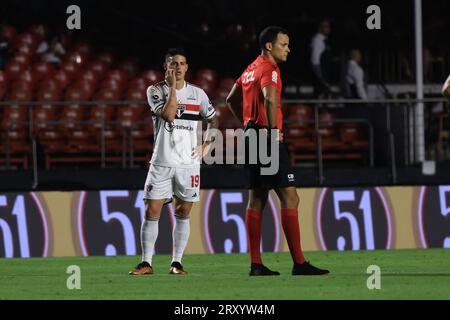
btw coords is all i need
(174, 141)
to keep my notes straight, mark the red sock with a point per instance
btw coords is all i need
(253, 221)
(289, 220)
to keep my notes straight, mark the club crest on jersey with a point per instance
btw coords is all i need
(180, 110)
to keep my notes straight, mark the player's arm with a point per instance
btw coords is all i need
(270, 104)
(446, 88)
(211, 131)
(169, 110)
(234, 102)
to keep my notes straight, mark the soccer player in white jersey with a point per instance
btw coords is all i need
(174, 173)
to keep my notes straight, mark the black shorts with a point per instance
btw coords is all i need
(284, 176)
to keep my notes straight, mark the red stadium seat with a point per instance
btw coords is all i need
(20, 85)
(50, 84)
(99, 67)
(89, 76)
(22, 59)
(62, 78)
(100, 115)
(106, 57)
(71, 117)
(13, 69)
(152, 76)
(138, 84)
(118, 75)
(70, 68)
(326, 119)
(128, 115)
(85, 86)
(47, 94)
(26, 49)
(42, 70)
(206, 85)
(27, 38)
(111, 84)
(82, 47)
(39, 30)
(135, 94)
(42, 118)
(9, 33)
(208, 75)
(27, 76)
(15, 117)
(130, 67)
(76, 94)
(21, 95)
(353, 135)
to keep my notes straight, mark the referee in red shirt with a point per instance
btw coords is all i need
(255, 99)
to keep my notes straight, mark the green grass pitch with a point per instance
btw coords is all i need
(405, 274)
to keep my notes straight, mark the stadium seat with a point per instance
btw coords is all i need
(48, 94)
(20, 85)
(62, 77)
(22, 59)
(17, 148)
(106, 57)
(13, 69)
(119, 75)
(50, 84)
(85, 86)
(42, 117)
(71, 118)
(130, 67)
(136, 94)
(26, 38)
(27, 76)
(128, 115)
(138, 84)
(15, 117)
(21, 95)
(82, 47)
(70, 68)
(206, 85)
(152, 76)
(42, 70)
(207, 75)
(111, 84)
(89, 76)
(26, 49)
(353, 135)
(39, 30)
(9, 33)
(99, 67)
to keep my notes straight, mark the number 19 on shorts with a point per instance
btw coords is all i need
(195, 181)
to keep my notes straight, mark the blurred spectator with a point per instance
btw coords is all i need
(52, 52)
(321, 59)
(5, 49)
(353, 86)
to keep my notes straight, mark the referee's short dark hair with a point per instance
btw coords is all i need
(270, 34)
(173, 52)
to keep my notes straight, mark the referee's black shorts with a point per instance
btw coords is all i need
(284, 177)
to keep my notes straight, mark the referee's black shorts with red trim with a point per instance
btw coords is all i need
(284, 176)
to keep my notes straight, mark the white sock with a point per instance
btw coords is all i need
(180, 237)
(149, 234)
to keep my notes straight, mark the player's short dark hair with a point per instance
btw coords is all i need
(173, 52)
(270, 34)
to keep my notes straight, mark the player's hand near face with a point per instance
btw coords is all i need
(170, 77)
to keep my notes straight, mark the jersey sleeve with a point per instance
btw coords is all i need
(155, 98)
(238, 82)
(269, 77)
(207, 110)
